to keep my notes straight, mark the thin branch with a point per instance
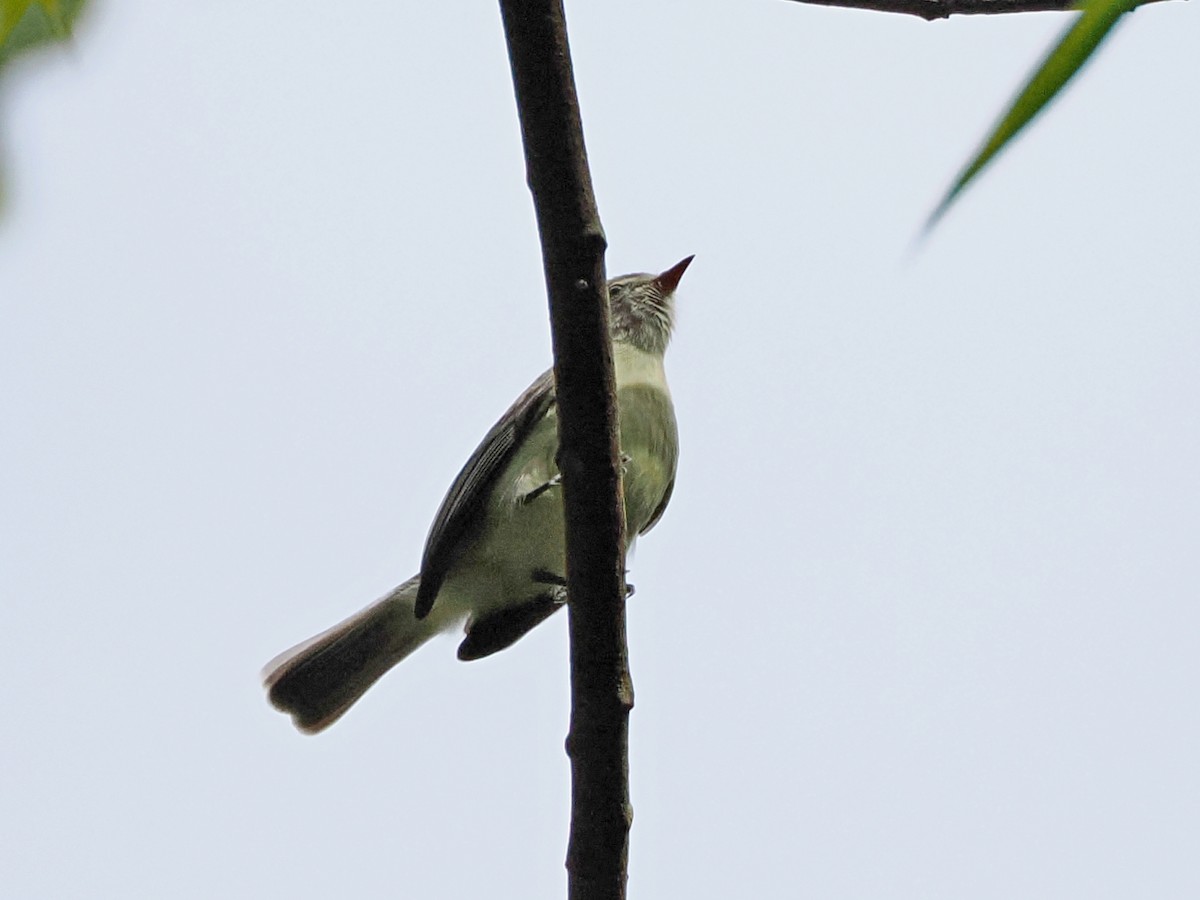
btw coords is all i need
(943, 9)
(573, 247)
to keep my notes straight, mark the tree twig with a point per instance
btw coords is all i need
(943, 9)
(573, 247)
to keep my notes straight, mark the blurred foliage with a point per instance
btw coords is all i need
(27, 23)
(1091, 26)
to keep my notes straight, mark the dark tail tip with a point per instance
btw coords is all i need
(320, 682)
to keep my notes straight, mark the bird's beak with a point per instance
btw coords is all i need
(669, 280)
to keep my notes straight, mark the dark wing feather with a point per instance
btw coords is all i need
(457, 518)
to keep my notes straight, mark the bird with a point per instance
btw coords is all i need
(495, 560)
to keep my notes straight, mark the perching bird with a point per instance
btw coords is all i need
(495, 556)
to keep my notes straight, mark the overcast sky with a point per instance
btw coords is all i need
(921, 621)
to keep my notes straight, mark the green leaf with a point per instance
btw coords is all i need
(25, 24)
(28, 23)
(1095, 22)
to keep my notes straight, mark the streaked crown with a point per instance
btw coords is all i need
(642, 308)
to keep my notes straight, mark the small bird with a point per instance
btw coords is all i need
(495, 558)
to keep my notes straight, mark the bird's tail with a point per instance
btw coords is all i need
(317, 681)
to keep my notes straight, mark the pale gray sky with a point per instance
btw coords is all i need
(921, 621)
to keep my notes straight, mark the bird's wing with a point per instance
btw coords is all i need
(459, 515)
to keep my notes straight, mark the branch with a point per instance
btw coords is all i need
(943, 9)
(573, 247)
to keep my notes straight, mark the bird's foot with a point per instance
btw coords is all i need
(540, 489)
